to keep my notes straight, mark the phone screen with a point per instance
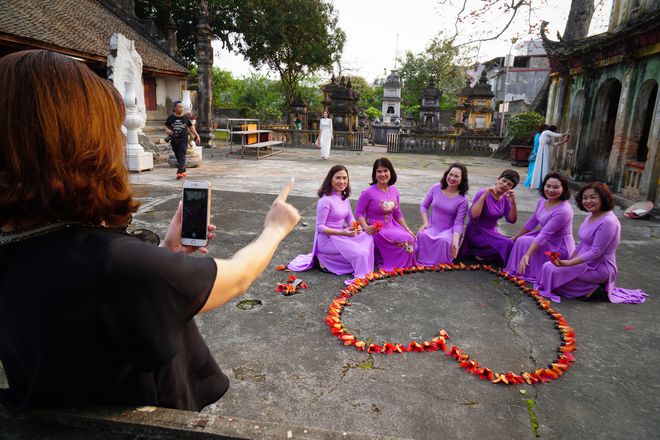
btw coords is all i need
(195, 206)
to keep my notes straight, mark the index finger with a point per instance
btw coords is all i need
(285, 191)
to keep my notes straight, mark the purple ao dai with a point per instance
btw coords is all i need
(599, 240)
(339, 254)
(555, 235)
(482, 238)
(446, 218)
(394, 245)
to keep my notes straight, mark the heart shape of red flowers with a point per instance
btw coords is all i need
(553, 371)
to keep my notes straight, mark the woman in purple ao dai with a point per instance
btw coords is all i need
(338, 246)
(482, 238)
(380, 216)
(439, 240)
(555, 215)
(594, 262)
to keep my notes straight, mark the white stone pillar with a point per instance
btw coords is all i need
(185, 100)
(136, 158)
(194, 150)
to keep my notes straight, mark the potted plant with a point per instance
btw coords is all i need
(520, 129)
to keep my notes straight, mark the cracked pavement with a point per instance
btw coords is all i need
(287, 369)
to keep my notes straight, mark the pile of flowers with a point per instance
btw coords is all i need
(553, 371)
(292, 285)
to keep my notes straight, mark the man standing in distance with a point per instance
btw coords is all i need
(176, 127)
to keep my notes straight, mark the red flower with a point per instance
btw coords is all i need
(554, 256)
(377, 225)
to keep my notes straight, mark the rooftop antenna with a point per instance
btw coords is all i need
(396, 49)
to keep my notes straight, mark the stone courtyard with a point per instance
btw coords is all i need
(290, 378)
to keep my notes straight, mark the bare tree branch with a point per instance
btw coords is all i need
(514, 6)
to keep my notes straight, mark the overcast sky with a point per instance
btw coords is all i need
(372, 26)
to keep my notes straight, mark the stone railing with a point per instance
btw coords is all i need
(341, 140)
(442, 144)
(632, 175)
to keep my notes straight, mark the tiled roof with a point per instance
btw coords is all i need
(82, 26)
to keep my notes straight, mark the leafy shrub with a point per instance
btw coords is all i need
(523, 126)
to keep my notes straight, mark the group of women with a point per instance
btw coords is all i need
(543, 252)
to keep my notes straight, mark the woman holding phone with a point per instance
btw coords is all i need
(88, 313)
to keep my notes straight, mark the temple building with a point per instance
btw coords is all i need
(392, 98)
(429, 109)
(474, 112)
(604, 90)
(341, 102)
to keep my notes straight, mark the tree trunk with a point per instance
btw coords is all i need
(579, 19)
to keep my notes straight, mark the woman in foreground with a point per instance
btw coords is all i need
(593, 264)
(340, 246)
(88, 313)
(555, 216)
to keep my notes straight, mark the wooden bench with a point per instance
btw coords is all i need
(262, 149)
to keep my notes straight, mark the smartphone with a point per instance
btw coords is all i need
(196, 213)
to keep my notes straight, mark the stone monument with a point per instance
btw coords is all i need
(391, 98)
(204, 60)
(429, 109)
(341, 102)
(125, 72)
(391, 109)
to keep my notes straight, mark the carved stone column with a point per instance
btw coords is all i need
(136, 158)
(204, 59)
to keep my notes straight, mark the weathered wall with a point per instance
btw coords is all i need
(605, 110)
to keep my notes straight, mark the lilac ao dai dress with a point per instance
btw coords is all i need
(446, 217)
(555, 235)
(339, 254)
(599, 240)
(394, 245)
(482, 238)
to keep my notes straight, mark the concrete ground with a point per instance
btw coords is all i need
(290, 378)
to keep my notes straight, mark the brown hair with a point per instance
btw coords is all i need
(63, 152)
(326, 186)
(463, 185)
(606, 199)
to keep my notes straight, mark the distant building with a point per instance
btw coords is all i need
(82, 29)
(392, 98)
(525, 74)
(474, 109)
(605, 91)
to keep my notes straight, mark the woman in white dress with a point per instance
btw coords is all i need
(325, 136)
(542, 165)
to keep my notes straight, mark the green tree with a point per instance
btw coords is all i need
(309, 89)
(368, 94)
(222, 82)
(258, 97)
(294, 38)
(440, 65)
(222, 18)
